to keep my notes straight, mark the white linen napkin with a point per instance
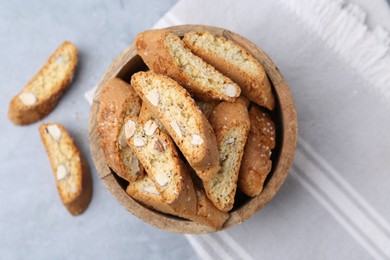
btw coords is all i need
(334, 204)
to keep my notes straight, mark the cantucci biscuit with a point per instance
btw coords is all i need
(165, 53)
(186, 124)
(256, 162)
(159, 156)
(118, 100)
(71, 172)
(40, 96)
(235, 62)
(231, 123)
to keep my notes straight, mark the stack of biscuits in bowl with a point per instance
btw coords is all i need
(190, 132)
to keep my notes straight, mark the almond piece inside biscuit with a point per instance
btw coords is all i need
(196, 140)
(150, 127)
(122, 139)
(73, 187)
(153, 97)
(158, 146)
(62, 172)
(60, 60)
(135, 164)
(177, 129)
(54, 131)
(151, 189)
(230, 90)
(130, 128)
(161, 179)
(139, 141)
(230, 140)
(28, 98)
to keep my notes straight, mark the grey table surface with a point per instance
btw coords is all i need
(33, 222)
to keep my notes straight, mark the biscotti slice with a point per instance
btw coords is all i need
(117, 101)
(145, 192)
(159, 156)
(256, 163)
(186, 124)
(71, 172)
(40, 96)
(165, 53)
(231, 123)
(235, 62)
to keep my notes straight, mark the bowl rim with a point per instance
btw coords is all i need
(289, 135)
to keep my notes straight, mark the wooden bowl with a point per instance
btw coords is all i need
(127, 63)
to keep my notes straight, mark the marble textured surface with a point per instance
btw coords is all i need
(33, 222)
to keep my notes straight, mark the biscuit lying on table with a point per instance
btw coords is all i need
(165, 53)
(117, 101)
(185, 123)
(231, 124)
(160, 159)
(71, 172)
(256, 162)
(40, 96)
(235, 62)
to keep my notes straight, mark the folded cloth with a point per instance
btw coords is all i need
(334, 204)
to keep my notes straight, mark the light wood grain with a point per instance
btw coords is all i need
(127, 63)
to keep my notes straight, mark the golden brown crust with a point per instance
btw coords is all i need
(243, 100)
(254, 85)
(21, 114)
(152, 47)
(256, 163)
(118, 100)
(226, 115)
(203, 157)
(75, 189)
